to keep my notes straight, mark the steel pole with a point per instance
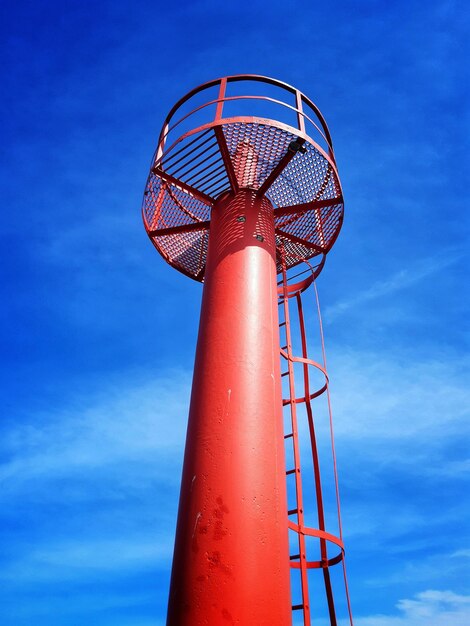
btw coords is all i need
(231, 563)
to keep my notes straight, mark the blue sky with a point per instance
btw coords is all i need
(98, 333)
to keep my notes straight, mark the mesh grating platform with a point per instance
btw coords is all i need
(282, 162)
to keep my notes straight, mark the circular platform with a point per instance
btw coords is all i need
(207, 147)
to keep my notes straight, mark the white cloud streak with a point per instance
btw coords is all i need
(89, 558)
(400, 280)
(381, 398)
(143, 422)
(124, 445)
(439, 608)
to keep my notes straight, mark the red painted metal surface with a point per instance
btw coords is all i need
(231, 554)
(232, 201)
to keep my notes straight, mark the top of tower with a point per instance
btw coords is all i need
(208, 146)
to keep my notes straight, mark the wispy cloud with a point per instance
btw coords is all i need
(399, 424)
(90, 557)
(402, 279)
(465, 553)
(99, 481)
(62, 606)
(393, 397)
(439, 608)
(143, 421)
(382, 397)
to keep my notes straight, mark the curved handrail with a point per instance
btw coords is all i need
(222, 82)
(169, 129)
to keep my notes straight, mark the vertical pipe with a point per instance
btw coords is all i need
(231, 563)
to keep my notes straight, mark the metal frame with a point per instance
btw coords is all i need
(200, 166)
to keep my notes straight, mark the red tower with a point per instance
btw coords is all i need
(235, 201)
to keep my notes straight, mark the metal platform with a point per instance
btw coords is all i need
(207, 149)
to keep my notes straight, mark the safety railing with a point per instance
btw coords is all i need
(267, 99)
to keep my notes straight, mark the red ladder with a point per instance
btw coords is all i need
(327, 542)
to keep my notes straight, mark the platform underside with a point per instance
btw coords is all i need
(296, 175)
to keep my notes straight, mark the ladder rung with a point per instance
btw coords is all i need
(296, 607)
(292, 557)
(292, 471)
(288, 435)
(292, 511)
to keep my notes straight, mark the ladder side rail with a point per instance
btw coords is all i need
(333, 450)
(316, 466)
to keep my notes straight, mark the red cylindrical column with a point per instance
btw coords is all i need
(231, 563)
